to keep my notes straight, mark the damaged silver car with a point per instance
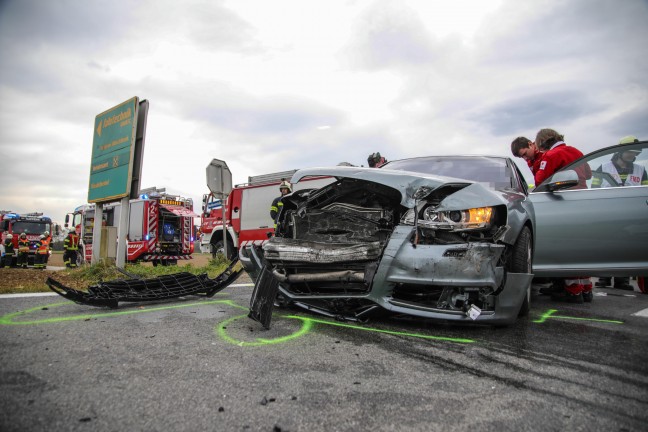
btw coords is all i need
(447, 238)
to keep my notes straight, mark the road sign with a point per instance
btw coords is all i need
(113, 148)
(219, 178)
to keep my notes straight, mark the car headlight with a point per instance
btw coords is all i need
(453, 220)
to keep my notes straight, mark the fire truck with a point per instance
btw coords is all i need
(160, 228)
(32, 224)
(247, 212)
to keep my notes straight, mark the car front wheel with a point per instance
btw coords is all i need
(520, 261)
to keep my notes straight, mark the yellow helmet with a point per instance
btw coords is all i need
(630, 139)
(285, 185)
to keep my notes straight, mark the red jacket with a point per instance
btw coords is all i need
(534, 165)
(559, 156)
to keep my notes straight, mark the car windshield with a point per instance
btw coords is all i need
(493, 171)
(30, 227)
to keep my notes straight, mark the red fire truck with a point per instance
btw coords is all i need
(32, 224)
(247, 212)
(160, 228)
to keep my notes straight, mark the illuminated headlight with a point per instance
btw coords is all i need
(452, 220)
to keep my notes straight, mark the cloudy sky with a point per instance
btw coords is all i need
(272, 85)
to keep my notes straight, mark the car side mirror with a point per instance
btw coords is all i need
(562, 180)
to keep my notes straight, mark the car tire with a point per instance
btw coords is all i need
(520, 261)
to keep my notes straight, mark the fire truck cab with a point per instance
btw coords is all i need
(32, 224)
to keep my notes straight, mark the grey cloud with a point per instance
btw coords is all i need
(534, 111)
(633, 122)
(272, 115)
(391, 35)
(86, 24)
(610, 34)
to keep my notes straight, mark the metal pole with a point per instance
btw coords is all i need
(224, 202)
(96, 233)
(122, 233)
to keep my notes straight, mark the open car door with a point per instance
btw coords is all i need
(600, 229)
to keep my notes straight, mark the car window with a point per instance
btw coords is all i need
(617, 166)
(493, 171)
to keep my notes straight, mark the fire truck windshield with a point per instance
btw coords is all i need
(27, 227)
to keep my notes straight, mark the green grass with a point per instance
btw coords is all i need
(86, 275)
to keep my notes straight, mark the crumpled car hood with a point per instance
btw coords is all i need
(407, 183)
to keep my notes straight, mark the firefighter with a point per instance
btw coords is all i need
(71, 247)
(23, 250)
(42, 250)
(375, 160)
(557, 155)
(285, 188)
(622, 168)
(625, 172)
(9, 251)
(48, 238)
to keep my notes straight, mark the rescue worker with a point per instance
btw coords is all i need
(375, 160)
(624, 172)
(526, 149)
(558, 155)
(9, 251)
(71, 247)
(275, 208)
(48, 237)
(622, 168)
(42, 251)
(23, 250)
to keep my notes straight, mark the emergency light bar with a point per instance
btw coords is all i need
(171, 202)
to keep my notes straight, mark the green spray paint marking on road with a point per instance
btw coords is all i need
(550, 314)
(222, 327)
(307, 325)
(9, 318)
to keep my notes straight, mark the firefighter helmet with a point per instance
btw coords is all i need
(23, 235)
(285, 185)
(46, 233)
(42, 236)
(630, 139)
(9, 236)
(626, 140)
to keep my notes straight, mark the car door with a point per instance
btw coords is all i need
(600, 229)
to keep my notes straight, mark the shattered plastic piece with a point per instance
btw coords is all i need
(136, 290)
(263, 296)
(473, 312)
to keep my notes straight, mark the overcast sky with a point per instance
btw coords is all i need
(270, 85)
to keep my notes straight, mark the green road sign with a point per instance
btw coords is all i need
(113, 148)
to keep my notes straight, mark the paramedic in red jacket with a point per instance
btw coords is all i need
(558, 155)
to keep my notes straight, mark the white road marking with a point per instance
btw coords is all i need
(641, 313)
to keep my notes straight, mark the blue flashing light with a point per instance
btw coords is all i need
(147, 237)
(192, 239)
(144, 196)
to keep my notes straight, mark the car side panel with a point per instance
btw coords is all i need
(591, 232)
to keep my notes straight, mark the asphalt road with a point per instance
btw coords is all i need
(200, 364)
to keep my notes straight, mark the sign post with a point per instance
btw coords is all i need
(116, 165)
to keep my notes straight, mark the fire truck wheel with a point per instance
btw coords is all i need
(219, 248)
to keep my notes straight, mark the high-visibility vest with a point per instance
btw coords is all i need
(23, 245)
(42, 247)
(633, 179)
(71, 242)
